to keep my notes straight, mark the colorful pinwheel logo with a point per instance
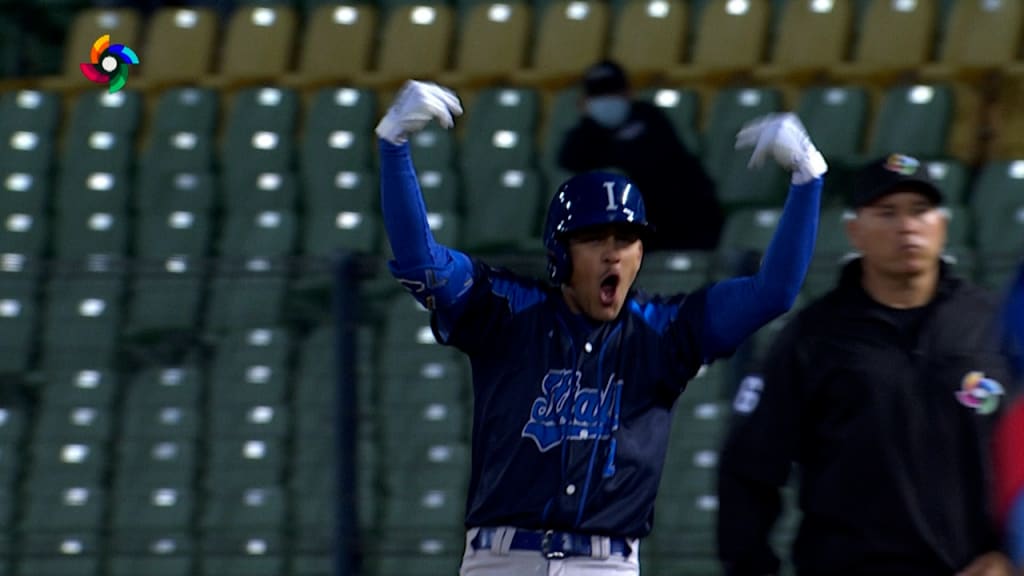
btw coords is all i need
(108, 63)
(980, 393)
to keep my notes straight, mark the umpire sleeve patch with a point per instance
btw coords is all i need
(749, 394)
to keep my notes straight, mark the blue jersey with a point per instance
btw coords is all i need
(570, 416)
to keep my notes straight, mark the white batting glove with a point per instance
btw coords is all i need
(785, 138)
(413, 108)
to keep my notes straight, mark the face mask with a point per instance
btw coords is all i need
(608, 111)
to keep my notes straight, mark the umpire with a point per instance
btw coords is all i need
(885, 392)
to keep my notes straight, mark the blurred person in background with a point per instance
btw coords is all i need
(1010, 436)
(886, 393)
(617, 131)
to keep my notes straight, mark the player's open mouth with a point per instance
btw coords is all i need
(609, 285)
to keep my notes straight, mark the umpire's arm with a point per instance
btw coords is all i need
(756, 460)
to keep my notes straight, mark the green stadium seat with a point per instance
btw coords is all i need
(35, 110)
(951, 176)
(674, 272)
(997, 210)
(151, 543)
(19, 314)
(162, 194)
(7, 501)
(245, 295)
(433, 148)
(312, 565)
(563, 113)
(425, 508)
(66, 463)
(266, 233)
(154, 565)
(86, 387)
(997, 206)
(167, 507)
(233, 465)
(178, 151)
(13, 425)
(165, 385)
(681, 106)
(835, 117)
(186, 109)
(99, 110)
(165, 299)
(259, 130)
(169, 421)
(442, 380)
(913, 120)
(259, 190)
(24, 192)
(59, 508)
(248, 420)
(84, 189)
(499, 131)
(747, 233)
(435, 551)
(150, 464)
(253, 565)
(730, 110)
(502, 210)
(82, 319)
(250, 366)
(441, 190)
(340, 213)
(83, 234)
(339, 132)
(27, 150)
(245, 509)
(74, 424)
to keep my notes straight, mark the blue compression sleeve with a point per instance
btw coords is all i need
(1015, 531)
(437, 276)
(405, 215)
(737, 307)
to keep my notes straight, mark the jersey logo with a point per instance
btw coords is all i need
(566, 411)
(979, 393)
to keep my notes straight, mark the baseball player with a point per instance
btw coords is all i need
(574, 381)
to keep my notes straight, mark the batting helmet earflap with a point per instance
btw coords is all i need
(586, 200)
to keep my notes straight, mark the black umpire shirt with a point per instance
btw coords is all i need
(893, 459)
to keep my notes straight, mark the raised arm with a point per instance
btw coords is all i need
(736, 308)
(435, 274)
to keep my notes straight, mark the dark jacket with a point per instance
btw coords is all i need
(678, 194)
(894, 466)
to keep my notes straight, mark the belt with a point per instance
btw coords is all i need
(552, 544)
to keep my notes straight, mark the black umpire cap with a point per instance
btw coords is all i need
(605, 77)
(895, 171)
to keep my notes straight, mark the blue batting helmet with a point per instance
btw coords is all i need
(586, 200)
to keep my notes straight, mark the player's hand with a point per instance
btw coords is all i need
(416, 104)
(990, 564)
(784, 137)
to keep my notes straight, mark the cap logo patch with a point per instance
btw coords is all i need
(901, 164)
